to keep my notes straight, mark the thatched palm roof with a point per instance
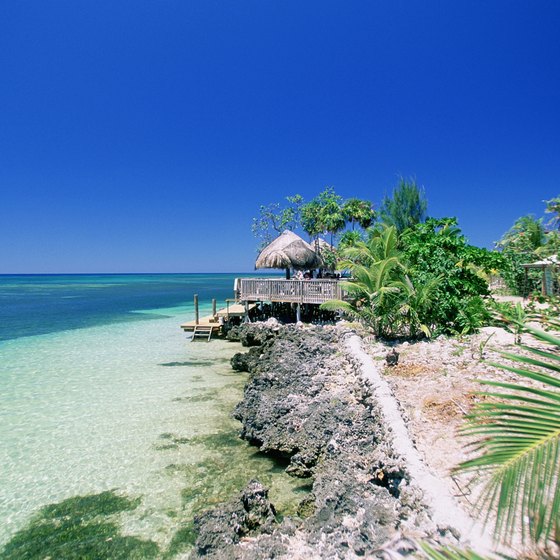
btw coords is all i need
(288, 250)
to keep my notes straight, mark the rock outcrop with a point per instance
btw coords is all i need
(307, 403)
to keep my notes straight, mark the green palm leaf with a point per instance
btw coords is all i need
(519, 437)
(447, 553)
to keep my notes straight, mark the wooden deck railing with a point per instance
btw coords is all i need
(292, 291)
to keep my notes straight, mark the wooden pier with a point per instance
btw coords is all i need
(206, 326)
(249, 292)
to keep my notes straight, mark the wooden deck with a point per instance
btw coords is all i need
(291, 291)
(233, 310)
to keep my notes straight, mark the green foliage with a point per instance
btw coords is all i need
(357, 211)
(511, 317)
(311, 218)
(447, 553)
(553, 207)
(323, 214)
(274, 218)
(525, 242)
(518, 440)
(329, 256)
(349, 239)
(79, 529)
(406, 207)
(437, 248)
(381, 294)
(525, 236)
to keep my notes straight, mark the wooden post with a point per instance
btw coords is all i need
(196, 309)
(298, 313)
(213, 307)
(246, 319)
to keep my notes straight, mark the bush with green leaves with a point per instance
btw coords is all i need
(437, 248)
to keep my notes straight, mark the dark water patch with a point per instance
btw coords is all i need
(171, 441)
(165, 446)
(79, 528)
(217, 441)
(87, 507)
(195, 398)
(188, 363)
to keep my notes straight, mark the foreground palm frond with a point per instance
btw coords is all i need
(446, 553)
(518, 433)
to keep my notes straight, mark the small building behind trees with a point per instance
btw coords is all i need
(549, 267)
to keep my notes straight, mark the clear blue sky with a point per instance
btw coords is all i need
(142, 136)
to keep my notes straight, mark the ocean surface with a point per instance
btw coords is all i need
(107, 409)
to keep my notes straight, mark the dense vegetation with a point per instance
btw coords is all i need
(413, 276)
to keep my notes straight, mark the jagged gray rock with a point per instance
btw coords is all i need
(306, 402)
(220, 528)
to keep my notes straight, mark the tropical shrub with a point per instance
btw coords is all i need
(381, 294)
(437, 248)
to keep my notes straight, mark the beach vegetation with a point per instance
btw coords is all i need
(382, 295)
(406, 206)
(438, 248)
(553, 207)
(529, 239)
(398, 278)
(350, 238)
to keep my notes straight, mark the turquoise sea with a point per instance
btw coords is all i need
(108, 410)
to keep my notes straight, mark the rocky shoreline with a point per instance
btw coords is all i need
(308, 405)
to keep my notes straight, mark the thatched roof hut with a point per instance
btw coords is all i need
(288, 251)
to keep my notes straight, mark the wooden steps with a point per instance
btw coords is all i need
(202, 331)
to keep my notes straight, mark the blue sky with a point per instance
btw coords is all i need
(142, 136)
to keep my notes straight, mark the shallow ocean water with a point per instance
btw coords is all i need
(132, 407)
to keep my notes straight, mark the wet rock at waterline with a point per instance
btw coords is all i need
(220, 528)
(246, 361)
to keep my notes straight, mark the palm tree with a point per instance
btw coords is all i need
(375, 294)
(383, 243)
(358, 211)
(382, 295)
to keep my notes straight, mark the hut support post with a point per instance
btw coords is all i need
(287, 274)
(196, 309)
(246, 319)
(213, 307)
(298, 313)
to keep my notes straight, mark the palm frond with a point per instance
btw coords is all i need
(518, 433)
(448, 553)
